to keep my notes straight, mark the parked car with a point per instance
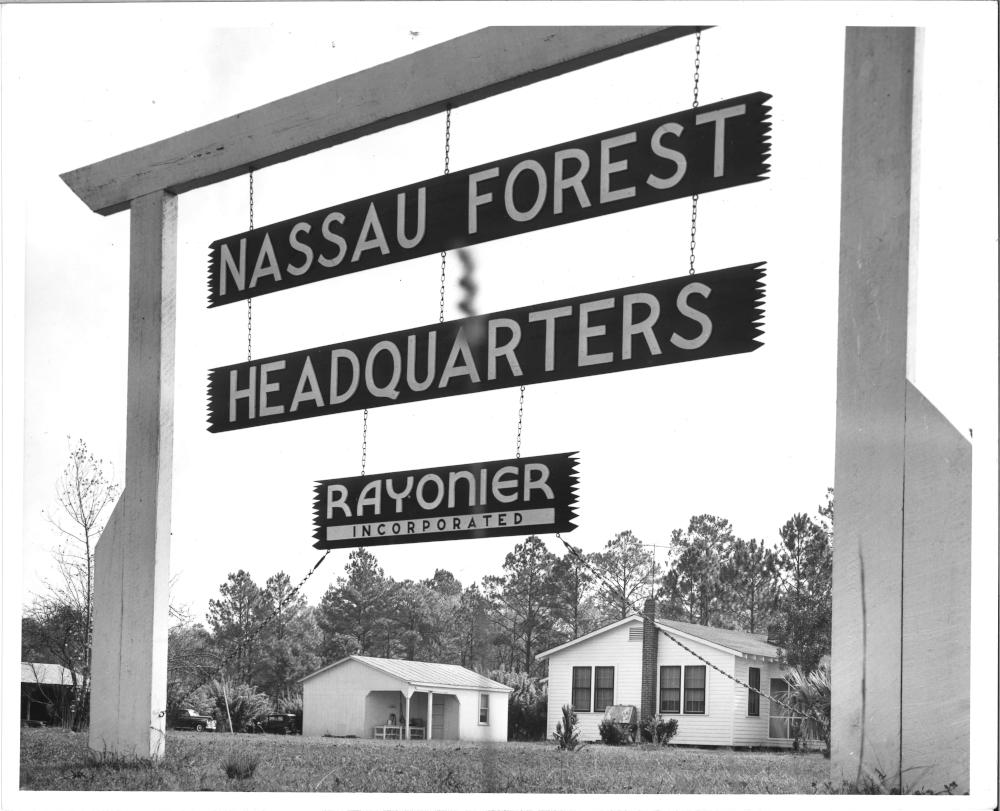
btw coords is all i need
(192, 719)
(280, 724)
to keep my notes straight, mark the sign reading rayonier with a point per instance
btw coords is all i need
(533, 494)
(694, 151)
(691, 317)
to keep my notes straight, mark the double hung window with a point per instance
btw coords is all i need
(593, 689)
(687, 683)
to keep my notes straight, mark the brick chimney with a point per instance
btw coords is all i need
(650, 640)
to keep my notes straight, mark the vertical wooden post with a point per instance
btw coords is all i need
(430, 715)
(130, 634)
(888, 439)
(409, 692)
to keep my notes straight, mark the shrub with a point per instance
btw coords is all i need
(527, 706)
(245, 703)
(567, 736)
(240, 765)
(612, 734)
(809, 693)
(657, 729)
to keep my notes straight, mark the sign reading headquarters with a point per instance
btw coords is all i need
(712, 147)
(687, 318)
(533, 494)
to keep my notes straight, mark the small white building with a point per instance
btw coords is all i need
(632, 661)
(366, 697)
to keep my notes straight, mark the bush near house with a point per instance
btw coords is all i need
(527, 705)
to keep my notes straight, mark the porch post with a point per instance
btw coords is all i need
(407, 695)
(430, 714)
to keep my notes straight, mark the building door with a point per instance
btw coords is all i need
(437, 719)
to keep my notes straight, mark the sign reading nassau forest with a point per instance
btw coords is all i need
(484, 500)
(687, 318)
(712, 147)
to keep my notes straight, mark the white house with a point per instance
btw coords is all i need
(632, 661)
(365, 697)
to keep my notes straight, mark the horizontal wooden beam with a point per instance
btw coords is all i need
(462, 70)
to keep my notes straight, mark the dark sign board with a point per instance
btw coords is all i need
(712, 147)
(686, 318)
(524, 496)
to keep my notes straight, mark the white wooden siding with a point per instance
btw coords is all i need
(334, 702)
(609, 649)
(725, 722)
(352, 698)
(715, 727)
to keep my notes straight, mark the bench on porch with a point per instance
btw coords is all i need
(395, 732)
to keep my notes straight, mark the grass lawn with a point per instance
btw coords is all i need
(52, 759)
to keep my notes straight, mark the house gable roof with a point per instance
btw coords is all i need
(423, 674)
(737, 643)
(42, 673)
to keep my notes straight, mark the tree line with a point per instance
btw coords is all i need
(267, 635)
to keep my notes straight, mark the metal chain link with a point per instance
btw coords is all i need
(633, 605)
(447, 165)
(364, 442)
(520, 422)
(250, 300)
(694, 197)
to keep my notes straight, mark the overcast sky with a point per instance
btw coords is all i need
(748, 437)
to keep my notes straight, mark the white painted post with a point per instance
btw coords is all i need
(887, 548)
(430, 714)
(407, 694)
(130, 641)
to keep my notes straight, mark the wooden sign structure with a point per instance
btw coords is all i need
(129, 683)
(713, 147)
(527, 495)
(681, 319)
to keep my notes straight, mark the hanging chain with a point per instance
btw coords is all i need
(250, 300)
(364, 441)
(694, 197)
(520, 421)
(447, 163)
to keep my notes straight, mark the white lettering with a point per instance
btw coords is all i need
(508, 192)
(250, 393)
(398, 497)
(401, 238)
(266, 388)
(507, 350)
(656, 143)
(340, 501)
(560, 182)
(704, 291)
(371, 496)
(411, 362)
(468, 366)
(239, 273)
(583, 358)
(271, 269)
(365, 242)
(352, 359)
(389, 390)
(301, 247)
(539, 483)
(475, 198)
(336, 239)
(644, 327)
(500, 484)
(549, 317)
(308, 376)
(609, 167)
(438, 483)
(718, 117)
